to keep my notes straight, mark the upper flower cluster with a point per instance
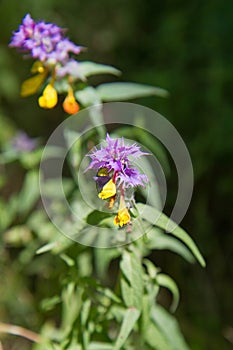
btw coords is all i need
(116, 175)
(115, 157)
(46, 42)
(43, 41)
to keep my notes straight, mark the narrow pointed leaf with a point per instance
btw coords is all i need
(132, 283)
(130, 318)
(167, 282)
(159, 219)
(168, 328)
(126, 91)
(88, 68)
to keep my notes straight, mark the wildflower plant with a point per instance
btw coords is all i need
(89, 308)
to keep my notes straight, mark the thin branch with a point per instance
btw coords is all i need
(20, 331)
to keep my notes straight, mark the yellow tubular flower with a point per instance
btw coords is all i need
(38, 67)
(108, 191)
(49, 97)
(123, 217)
(70, 105)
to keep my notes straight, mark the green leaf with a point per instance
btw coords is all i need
(158, 240)
(156, 339)
(85, 311)
(30, 192)
(72, 304)
(130, 318)
(167, 282)
(30, 160)
(88, 68)
(133, 277)
(127, 293)
(69, 261)
(169, 328)
(159, 219)
(126, 91)
(103, 257)
(46, 248)
(49, 303)
(88, 96)
(108, 294)
(100, 346)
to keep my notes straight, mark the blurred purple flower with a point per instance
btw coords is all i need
(23, 143)
(43, 41)
(115, 158)
(70, 68)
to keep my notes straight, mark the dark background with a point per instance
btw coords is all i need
(186, 48)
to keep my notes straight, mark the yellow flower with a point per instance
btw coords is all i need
(48, 98)
(122, 218)
(38, 67)
(70, 105)
(108, 191)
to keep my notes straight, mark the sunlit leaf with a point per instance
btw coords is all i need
(167, 282)
(168, 328)
(30, 192)
(88, 96)
(125, 91)
(156, 339)
(49, 303)
(88, 68)
(100, 346)
(159, 219)
(130, 318)
(159, 241)
(132, 271)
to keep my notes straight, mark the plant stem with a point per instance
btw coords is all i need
(20, 331)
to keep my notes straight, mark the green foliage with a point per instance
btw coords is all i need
(46, 269)
(126, 91)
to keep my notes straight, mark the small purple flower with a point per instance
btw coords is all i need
(43, 41)
(115, 158)
(23, 143)
(70, 68)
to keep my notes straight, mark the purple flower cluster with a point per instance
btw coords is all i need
(23, 143)
(43, 41)
(115, 158)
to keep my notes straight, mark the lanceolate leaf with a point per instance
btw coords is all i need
(29, 193)
(156, 339)
(100, 346)
(168, 328)
(158, 240)
(130, 318)
(159, 219)
(126, 91)
(88, 68)
(167, 282)
(133, 278)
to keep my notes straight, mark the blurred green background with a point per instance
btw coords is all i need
(186, 48)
